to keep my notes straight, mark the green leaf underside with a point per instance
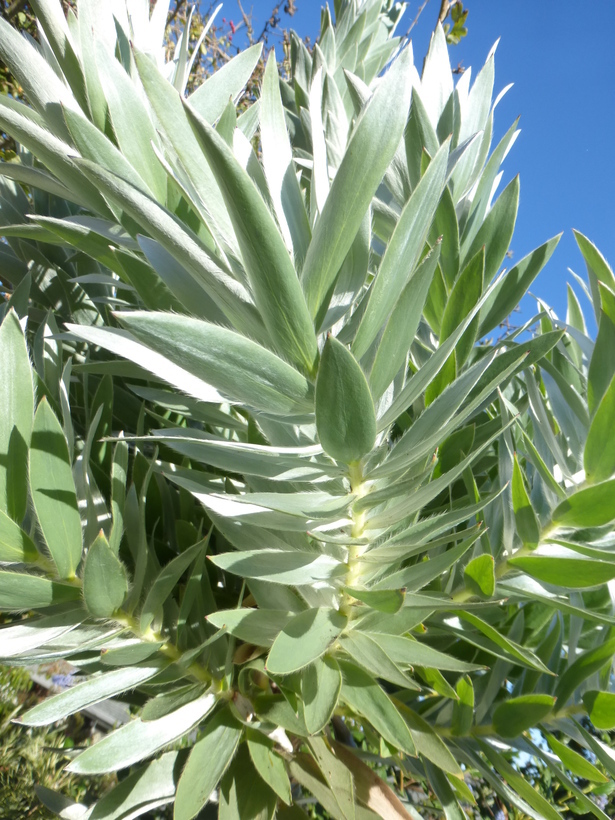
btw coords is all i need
(364, 696)
(514, 716)
(569, 573)
(305, 638)
(208, 761)
(589, 507)
(321, 684)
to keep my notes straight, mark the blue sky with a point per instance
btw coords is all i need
(561, 59)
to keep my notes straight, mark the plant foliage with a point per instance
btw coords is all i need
(266, 473)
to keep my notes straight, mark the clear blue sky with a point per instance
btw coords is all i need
(561, 59)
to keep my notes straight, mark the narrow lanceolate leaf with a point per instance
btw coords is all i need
(598, 268)
(463, 707)
(400, 330)
(273, 278)
(20, 592)
(53, 491)
(105, 583)
(520, 786)
(599, 455)
(570, 573)
(516, 715)
(17, 403)
(280, 566)
(337, 777)
(89, 692)
(19, 638)
(403, 251)
(243, 793)
(16, 546)
(345, 415)
(465, 294)
(364, 696)
(321, 684)
(146, 788)
(496, 231)
(279, 167)
(583, 667)
(525, 517)
(428, 743)
(305, 637)
(590, 507)
(372, 146)
(367, 653)
(514, 286)
(444, 792)
(165, 582)
(140, 739)
(208, 761)
(269, 765)
(575, 762)
(230, 296)
(241, 369)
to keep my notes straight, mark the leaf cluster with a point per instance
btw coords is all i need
(266, 472)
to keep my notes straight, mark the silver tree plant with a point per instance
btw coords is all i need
(271, 470)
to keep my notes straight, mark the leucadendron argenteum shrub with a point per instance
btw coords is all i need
(269, 471)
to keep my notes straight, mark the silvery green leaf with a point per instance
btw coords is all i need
(186, 289)
(345, 414)
(437, 81)
(20, 638)
(271, 273)
(419, 575)
(147, 788)
(184, 245)
(365, 697)
(241, 369)
(89, 692)
(208, 761)
(105, 581)
(321, 684)
(167, 104)
(19, 592)
(165, 582)
(306, 637)
(131, 122)
(257, 626)
(210, 98)
(140, 739)
(277, 463)
(279, 167)
(16, 419)
(42, 87)
(280, 567)
(368, 653)
(122, 344)
(418, 383)
(403, 251)
(356, 181)
(53, 491)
